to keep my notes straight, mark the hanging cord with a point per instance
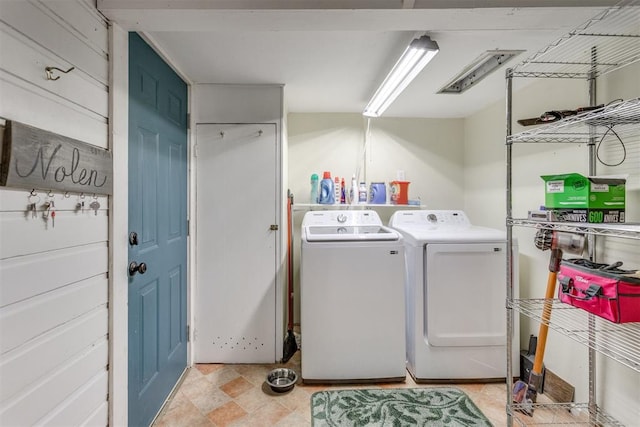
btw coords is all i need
(624, 149)
(362, 158)
(610, 129)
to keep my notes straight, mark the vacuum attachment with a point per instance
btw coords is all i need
(559, 242)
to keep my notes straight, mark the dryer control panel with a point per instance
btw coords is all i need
(433, 218)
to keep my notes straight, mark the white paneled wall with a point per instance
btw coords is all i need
(54, 277)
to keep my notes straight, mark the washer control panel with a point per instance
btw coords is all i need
(360, 217)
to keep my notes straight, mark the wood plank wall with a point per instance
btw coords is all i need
(54, 279)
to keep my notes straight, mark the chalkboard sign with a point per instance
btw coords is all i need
(35, 158)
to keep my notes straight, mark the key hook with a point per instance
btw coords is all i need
(33, 197)
(49, 71)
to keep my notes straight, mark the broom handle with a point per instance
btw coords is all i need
(289, 262)
(544, 325)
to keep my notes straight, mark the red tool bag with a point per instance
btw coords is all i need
(601, 289)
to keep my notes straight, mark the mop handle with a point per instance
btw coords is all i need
(544, 325)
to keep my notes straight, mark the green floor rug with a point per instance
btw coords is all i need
(437, 406)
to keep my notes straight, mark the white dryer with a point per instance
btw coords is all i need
(351, 298)
(456, 297)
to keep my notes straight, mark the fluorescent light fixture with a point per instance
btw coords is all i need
(418, 54)
(480, 68)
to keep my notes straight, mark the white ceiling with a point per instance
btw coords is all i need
(331, 55)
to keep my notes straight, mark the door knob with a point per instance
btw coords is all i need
(134, 268)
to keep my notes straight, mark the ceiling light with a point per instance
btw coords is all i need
(478, 70)
(418, 54)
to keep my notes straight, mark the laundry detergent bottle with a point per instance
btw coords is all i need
(327, 190)
(362, 193)
(353, 192)
(313, 197)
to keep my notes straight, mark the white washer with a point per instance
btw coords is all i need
(351, 298)
(456, 296)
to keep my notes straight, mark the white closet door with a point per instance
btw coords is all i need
(236, 196)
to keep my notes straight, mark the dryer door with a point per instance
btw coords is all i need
(465, 291)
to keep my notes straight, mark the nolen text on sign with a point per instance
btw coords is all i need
(35, 158)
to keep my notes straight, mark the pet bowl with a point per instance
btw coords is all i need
(282, 379)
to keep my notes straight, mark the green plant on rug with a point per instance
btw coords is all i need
(437, 406)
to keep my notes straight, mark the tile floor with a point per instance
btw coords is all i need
(218, 395)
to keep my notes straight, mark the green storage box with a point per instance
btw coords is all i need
(599, 198)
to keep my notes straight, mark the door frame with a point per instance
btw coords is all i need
(118, 218)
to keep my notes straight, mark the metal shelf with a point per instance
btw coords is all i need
(617, 120)
(621, 342)
(609, 41)
(562, 414)
(625, 230)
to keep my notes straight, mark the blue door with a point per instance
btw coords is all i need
(158, 231)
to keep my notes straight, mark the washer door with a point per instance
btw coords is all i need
(465, 291)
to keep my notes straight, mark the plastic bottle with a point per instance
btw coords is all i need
(353, 192)
(327, 192)
(362, 193)
(343, 195)
(336, 188)
(378, 193)
(314, 189)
